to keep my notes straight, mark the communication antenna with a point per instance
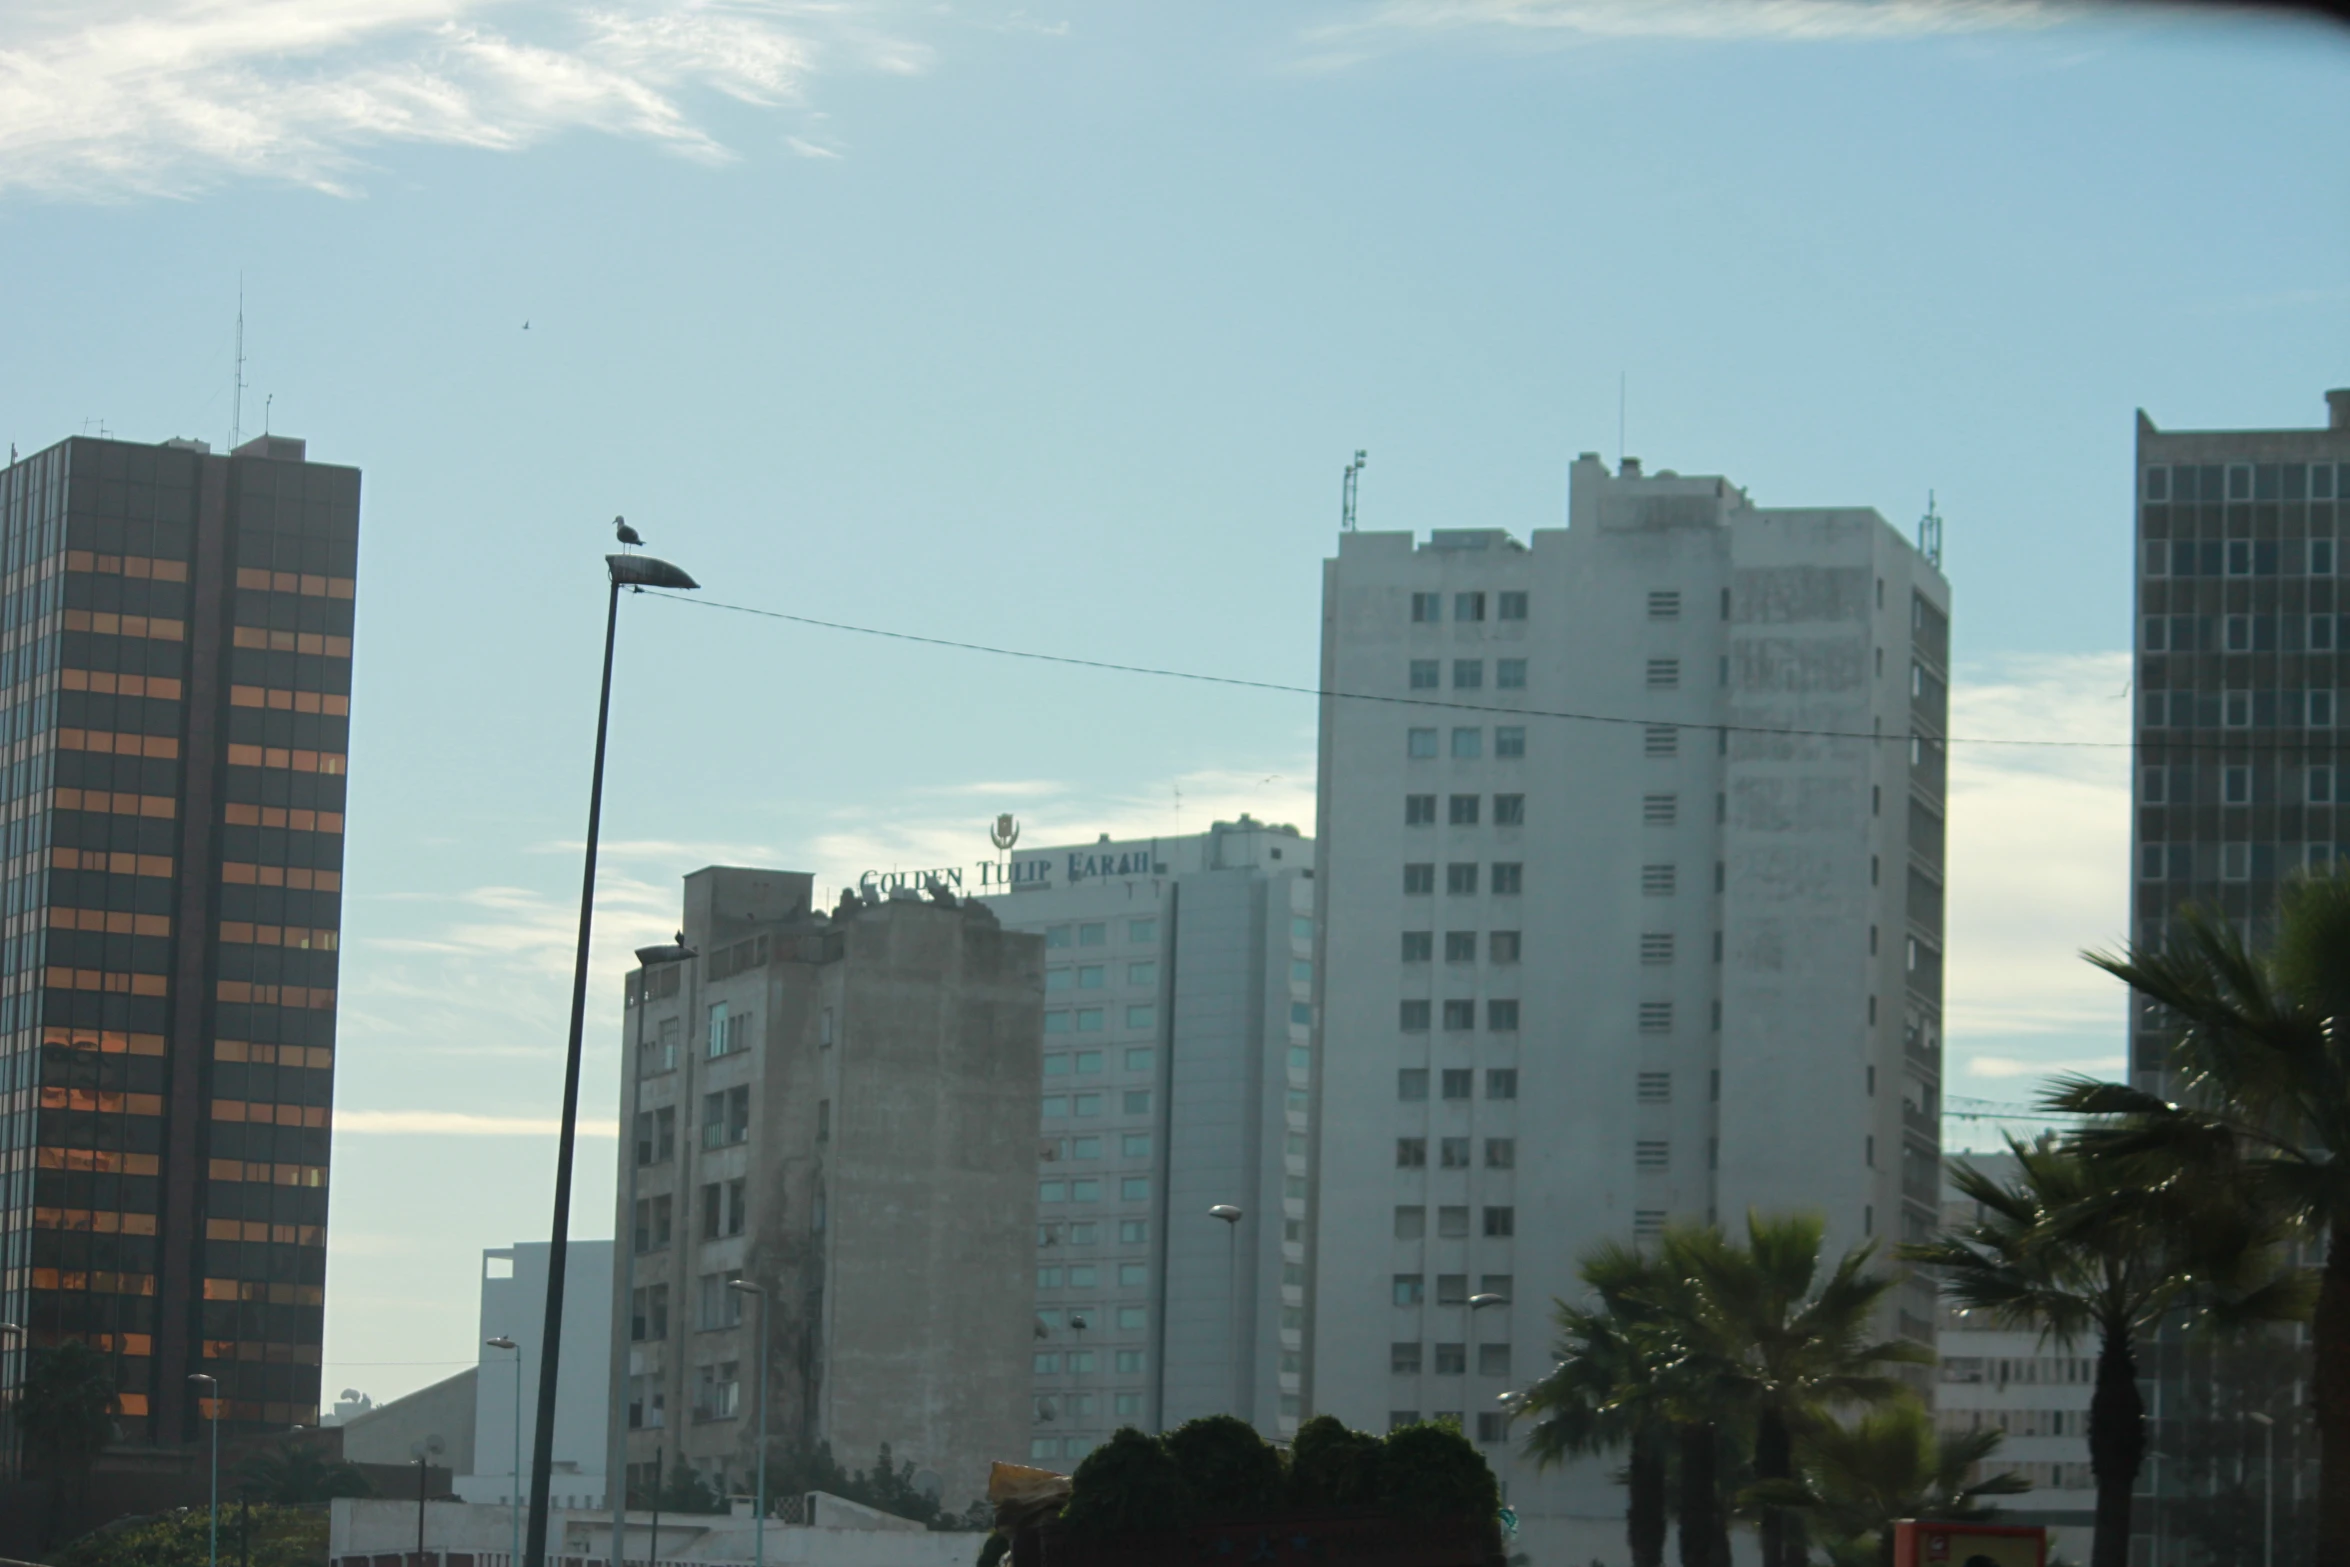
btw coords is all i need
(265, 402)
(1930, 534)
(1346, 505)
(236, 414)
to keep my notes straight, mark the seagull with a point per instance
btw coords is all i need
(626, 534)
(526, 326)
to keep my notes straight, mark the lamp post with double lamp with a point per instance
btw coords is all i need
(1478, 1303)
(758, 1453)
(1231, 1217)
(637, 572)
(2268, 1489)
(212, 1548)
(514, 1482)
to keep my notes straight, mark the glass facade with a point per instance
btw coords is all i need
(174, 713)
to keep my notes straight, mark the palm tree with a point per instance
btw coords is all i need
(1781, 1342)
(65, 1412)
(2081, 1248)
(2260, 1061)
(1859, 1479)
(1607, 1391)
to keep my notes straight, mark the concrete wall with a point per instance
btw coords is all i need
(445, 1409)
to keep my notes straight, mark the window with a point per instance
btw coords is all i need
(1656, 881)
(1056, 935)
(1085, 1104)
(1412, 1017)
(1509, 878)
(1093, 935)
(1509, 674)
(1426, 673)
(1501, 1082)
(1131, 1318)
(1411, 1153)
(1419, 881)
(1411, 1083)
(2156, 626)
(2321, 785)
(1660, 810)
(1420, 743)
(1661, 740)
(1460, 946)
(1664, 674)
(1406, 1290)
(726, 1117)
(1452, 1153)
(660, 1052)
(1142, 1017)
(1089, 1021)
(1092, 976)
(1056, 1106)
(2239, 633)
(1459, 1016)
(1500, 1223)
(1452, 1289)
(1452, 1223)
(1451, 1359)
(1137, 1101)
(720, 1307)
(1652, 1155)
(1501, 1153)
(1410, 1222)
(1457, 1081)
(648, 1313)
(1059, 978)
(1427, 606)
(1502, 1016)
(1656, 1017)
(2321, 633)
(656, 1136)
(1142, 973)
(1127, 1362)
(2150, 784)
(1419, 810)
(713, 1211)
(652, 1223)
(2321, 710)
(2239, 557)
(1509, 741)
(2235, 861)
(1300, 1013)
(1055, 1023)
(1468, 674)
(1468, 744)
(1493, 1426)
(2236, 785)
(1509, 810)
(1664, 604)
(727, 1033)
(1419, 946)
(1134, 1188)
(717, 1391)
(1301, 927)
(1502, 946)
(1134, 1145)
(1656, 1088)
(1512, 606)
(1131, 1232)
(1403, 1359)
(1460, 879)
(1468, 606)
(1462, 810)
(1142, 930)
(1139, 1060)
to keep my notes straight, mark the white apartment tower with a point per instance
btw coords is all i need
(1629, 886)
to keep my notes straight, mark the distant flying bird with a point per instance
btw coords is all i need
(526, 326)
(625, 533)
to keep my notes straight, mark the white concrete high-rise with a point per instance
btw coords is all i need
(1629, 884)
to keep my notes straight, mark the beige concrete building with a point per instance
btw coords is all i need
(840, 1109)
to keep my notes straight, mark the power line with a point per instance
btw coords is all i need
(1324, 692)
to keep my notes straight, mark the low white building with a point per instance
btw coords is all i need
(811, 1530)
(514, 1306)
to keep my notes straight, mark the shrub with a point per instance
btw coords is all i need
(1128, 1485)
(1332, 1466)
(1432, 1472)
(1231, 1471)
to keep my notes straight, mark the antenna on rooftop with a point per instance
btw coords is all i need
(236, 414)
(1346, 504)
(1930, 534)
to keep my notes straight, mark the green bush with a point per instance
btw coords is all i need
(1128, 1485)
(1431, 1472)
(1232, 1472)
(278, 1537)
(1332, 1466)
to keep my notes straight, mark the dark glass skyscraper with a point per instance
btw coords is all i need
(175, 676)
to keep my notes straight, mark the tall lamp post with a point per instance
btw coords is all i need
(2268, 1490)
(626, 571)
(759, 1453)
(212, 1549)
(1478, 1303)
(1231, 1217)
(514, 1482)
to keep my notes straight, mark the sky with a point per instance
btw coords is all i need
(1051, 327)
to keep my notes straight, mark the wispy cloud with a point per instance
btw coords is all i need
(1550, 24)
(2014, 1066)
(164, 97)
(457, 1123)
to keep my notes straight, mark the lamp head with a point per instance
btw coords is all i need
(501, 1342)
(667, 952)
(1480, 1302)
(647, 571)
(2254, 1414)
(1226, 1212)
(746, 1286)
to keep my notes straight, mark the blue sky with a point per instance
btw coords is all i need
(1054, 327)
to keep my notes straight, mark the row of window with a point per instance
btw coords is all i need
(1460, 946)
(1460, 1017)
(1452, 1223)
(2240, 557)
(1079, 1362)
(1092, 1020)
(1453, 1082)
(1095, 976)
(1086, 1062)
(1468, 744)
(1133, 1101)
(1087, 1232)
(1097, 933)
(2241, 785)
(1460, 879)
(1088, 1188)
(1086, 1275)
(1452, 1289)
(1131, 1145)
(1429, 607)
(2239, 709)
(2245, 481)
(2233, 861)
(1452, 1153)
(1468, 674)
(1450, 1360)
(2246, 633)
(1082, 1318)
(1464, 810)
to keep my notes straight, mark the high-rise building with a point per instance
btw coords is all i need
(839, 1109)
(1178, 1032)
(175, 677)
(1629, 879)
(505, 1386)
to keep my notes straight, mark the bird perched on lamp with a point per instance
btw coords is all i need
(625, 534)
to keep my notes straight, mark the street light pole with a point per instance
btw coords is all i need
(1471, 1370)
(1231, 1217)
(640, 572)
(2268, 1491)
(212, 1548)
(514, 1481)
(759, 1460)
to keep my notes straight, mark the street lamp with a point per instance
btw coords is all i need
(212, 1550)
(626, 571)
(2268, 1490)
(514, 1482)
(759, 1507)
(1479, 1303)
(1231, 1217)
(422, 1452)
